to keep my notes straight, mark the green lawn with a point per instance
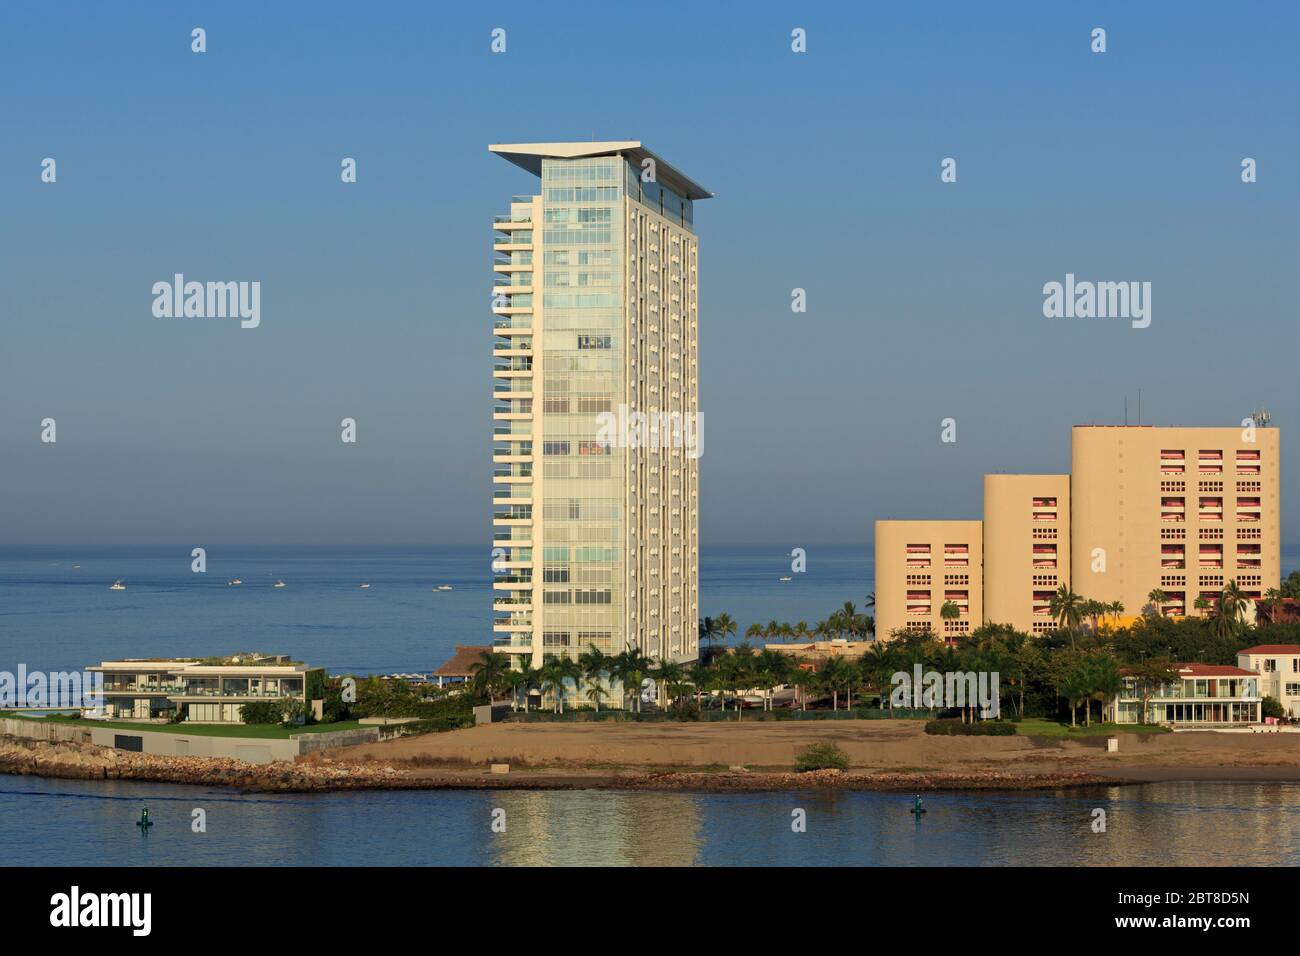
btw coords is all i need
(1043, 727)
(264, 731)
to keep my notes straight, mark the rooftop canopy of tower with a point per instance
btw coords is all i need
(529, 156)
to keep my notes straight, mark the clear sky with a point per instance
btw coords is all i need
(924, 298)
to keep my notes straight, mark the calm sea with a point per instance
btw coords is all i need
(1163, 824)
(57, 612)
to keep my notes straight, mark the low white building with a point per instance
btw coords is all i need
(205, 691)
(1278, 667)
(1202, 696)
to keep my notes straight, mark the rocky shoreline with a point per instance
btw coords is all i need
(320, 773)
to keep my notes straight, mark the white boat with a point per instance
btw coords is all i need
(444, 587)
(235, 582)
(279, 584)
(365, 585)
(785, 579)
(117, 586)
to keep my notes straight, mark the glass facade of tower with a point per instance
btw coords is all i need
(596, 525)
(582, 377)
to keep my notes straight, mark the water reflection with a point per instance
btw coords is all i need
(57, 822)
(597, 828)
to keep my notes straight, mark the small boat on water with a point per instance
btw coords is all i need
(235, 583)
(365, 585)
(280, 584)
(444, 587)
(117, 586)
(785, 579)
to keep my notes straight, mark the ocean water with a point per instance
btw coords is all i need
(57, 612)
(1166, 824)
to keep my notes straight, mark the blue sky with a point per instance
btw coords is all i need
(924, 299)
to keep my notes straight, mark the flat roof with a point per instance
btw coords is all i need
(529, 156)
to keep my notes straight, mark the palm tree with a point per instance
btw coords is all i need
(1232, 603)
(513, 681)
(489, 672)
(1116, 608)
(630, 669)
(725, 626)
(529, 678)
(1157, 598)
(755, 630)
(670, 675)
(701, 677)
(593, 662)
(1065, 608)
(1105, 681)
(835, 673)
(708, 630)
(879, 667)
(555, 671)
(1092, 610)
(802, 631)
(949, 612)
(595, 691)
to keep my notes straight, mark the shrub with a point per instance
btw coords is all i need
(823, 756)
(955, 728)
(1271, 707)
(261, 712)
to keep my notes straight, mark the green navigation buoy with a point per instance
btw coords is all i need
(144, 823)
(917, 809)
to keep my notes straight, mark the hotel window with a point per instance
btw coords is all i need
(956, 556)
(1211, 556)
(1247, 509)
(1044, 556)
(1042, 602)
(1248, 463)
(1210, 509)
(1172, 461)
(1044, 509)
(1210, 462)
(918, 555)
(1173, 556)
(1172, 509)
(1270, 665)
(918, 602)
(1248, 556)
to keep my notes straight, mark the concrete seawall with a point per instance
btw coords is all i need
(169, 743)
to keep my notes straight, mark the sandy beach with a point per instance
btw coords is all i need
(714, 757)
(872, 746)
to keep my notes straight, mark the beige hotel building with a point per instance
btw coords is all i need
(596, 314)
(1184, 510)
